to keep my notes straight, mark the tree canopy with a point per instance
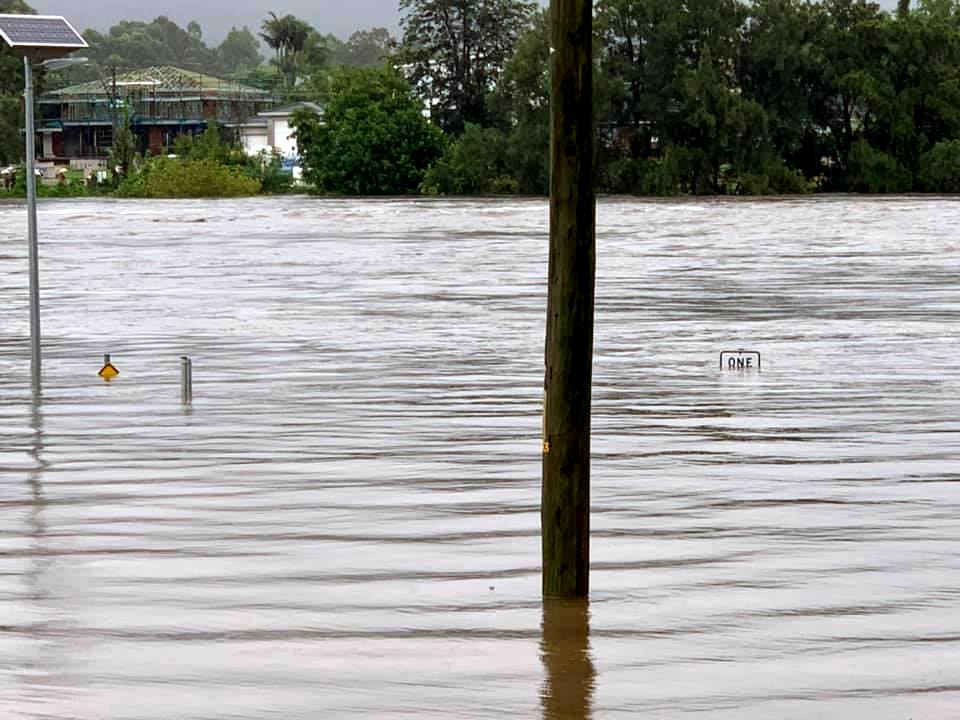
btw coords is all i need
(298, 51)
(293, 41)
(139, 44)
(719, 94)
(239, 50)
(365, 48)
(373, 138)
(456, 50)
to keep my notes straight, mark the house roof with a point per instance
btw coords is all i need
(261, 120)
(164, 79)
(254, 123)
(291, 109)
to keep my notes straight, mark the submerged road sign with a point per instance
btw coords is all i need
(739, 360)
(109, 371)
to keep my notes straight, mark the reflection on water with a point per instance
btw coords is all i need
(37, 521)
(570, 677)
(40, 672)
(347, 525)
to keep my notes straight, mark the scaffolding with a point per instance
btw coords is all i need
(163, 99)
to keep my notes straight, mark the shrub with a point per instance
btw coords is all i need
(669, 175)
(66, 190)
(774, 178)
(175, 178)
(940, 168)
(267, 168)
(528, 157)
(504, 185)
(627, 175)
(70, 189)
(873, 171)
(471, 165)
(210, 145)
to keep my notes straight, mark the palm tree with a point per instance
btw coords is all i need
(274, 33)
(288, 36)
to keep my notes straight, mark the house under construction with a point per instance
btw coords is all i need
(160, 102)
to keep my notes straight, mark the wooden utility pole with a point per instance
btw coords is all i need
(565, 508)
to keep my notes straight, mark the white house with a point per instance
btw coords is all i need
(271, 130)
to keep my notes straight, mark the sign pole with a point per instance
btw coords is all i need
(565, 507)
(33, 250)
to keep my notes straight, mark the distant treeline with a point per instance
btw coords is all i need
(284, 51)
(693, 97)
(714, 96)
(698, 97)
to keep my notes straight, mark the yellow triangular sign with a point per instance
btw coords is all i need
(109, 372)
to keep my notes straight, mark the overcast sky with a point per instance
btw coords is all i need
(341, 17)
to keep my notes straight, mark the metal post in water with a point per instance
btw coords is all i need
(32, 249)
(186, 380)
(565, 507)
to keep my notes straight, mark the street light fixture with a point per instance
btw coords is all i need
(45, 38)
(61, 63)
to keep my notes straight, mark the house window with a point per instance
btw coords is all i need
(103, 137)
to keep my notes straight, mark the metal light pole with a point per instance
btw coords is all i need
(36, 37)
(33, 250)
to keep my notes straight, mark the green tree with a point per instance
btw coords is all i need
(940, 168)
(650, 54)
(474, 164)
(134, 44)
(315, 56)
(365, 48)
(647, 47)
(851, 46)
(373, 138)
(124, 147)
(11, 141)
(294, 43)
(780, 68)
(722, 132)
(210, 145)
(239, 50)
(871, 170)
(455, 51)
(639, 43)
(521, 108)
(914, 98)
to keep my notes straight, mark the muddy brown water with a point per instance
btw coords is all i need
(345, 524)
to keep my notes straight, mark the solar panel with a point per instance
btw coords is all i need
(26, 32)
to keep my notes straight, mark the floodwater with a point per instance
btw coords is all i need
(345, 523)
